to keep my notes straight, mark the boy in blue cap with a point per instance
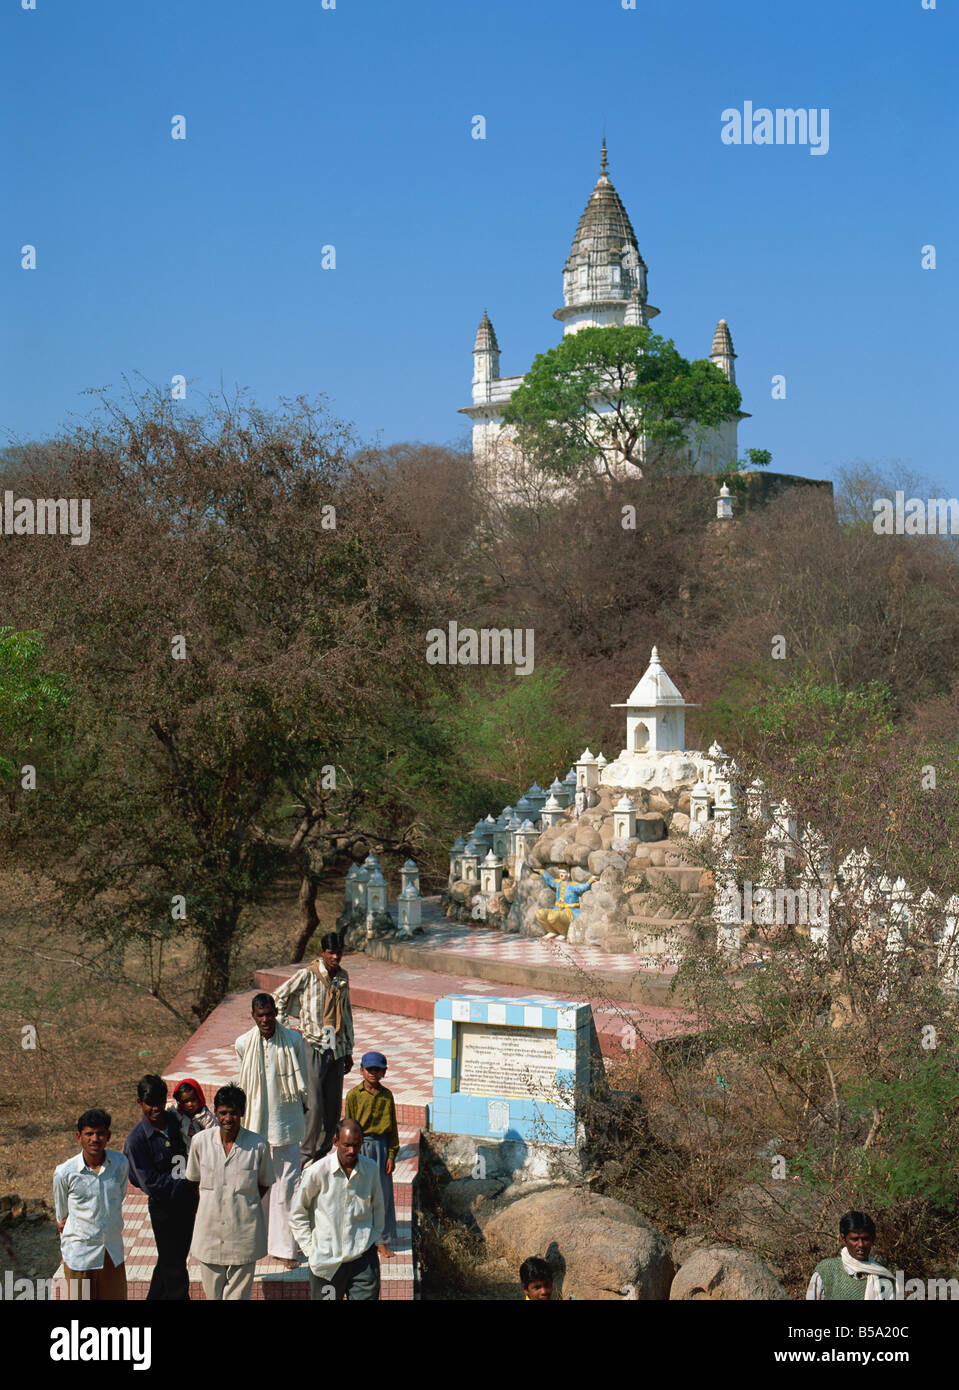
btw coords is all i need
(373, 1108)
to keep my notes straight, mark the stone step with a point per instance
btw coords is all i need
(657, 938)
(685, 877)
(639, 922)
(654, 905)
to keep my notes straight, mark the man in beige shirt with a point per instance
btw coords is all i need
(233, 1170)
(320, 995)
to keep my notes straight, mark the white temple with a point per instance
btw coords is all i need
(604, 283)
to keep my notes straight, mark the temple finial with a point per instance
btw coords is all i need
(602, 161)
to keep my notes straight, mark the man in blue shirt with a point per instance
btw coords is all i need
(157, 1156)
(88, 1192)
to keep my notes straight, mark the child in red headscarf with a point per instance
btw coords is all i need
(191, 1108)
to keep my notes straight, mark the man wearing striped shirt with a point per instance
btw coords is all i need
(320, 995)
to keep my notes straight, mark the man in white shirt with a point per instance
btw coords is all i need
(231, 1166)
(273, 1076)
(88, 1192)
(338, 1219)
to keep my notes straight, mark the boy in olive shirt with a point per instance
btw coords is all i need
(372, 1106)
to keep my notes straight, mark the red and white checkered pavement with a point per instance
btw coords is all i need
(487, 943)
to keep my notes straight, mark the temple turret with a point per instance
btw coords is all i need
(604, 279)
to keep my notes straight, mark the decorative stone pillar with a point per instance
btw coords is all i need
(377, 917)
(376, 893)
(491, 874)
(410, 874)
(724, 504)
(350, 898)
(553, 813)
(784, 817)
(409, 910)
(524, 839)
(728, 911)
(725, 811)
(900, 916)
(359, 888)
(524, 810)
(483, 834)
(559, 790)
(569, 782)
(948, 944)
(537, 799)
(587, 773)
(470, 862)
(501, 837)
(928, 917)
(699, 802)
(757, 801)
(456, 859)
(624, 819)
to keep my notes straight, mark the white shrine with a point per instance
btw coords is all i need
(604, 284)
(655, 754)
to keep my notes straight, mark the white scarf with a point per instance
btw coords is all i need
(877, 1275)
(252, 1078)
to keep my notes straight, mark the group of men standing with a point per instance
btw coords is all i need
(227, 1184)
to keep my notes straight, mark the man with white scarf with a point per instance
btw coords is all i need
(852, 1274)
(273, 1076)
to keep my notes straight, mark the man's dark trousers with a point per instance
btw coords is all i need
(324, 1101)
(172, 1223)
(359, 1279)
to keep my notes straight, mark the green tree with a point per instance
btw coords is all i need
(511, 730)
(31, 701)
(616, 394)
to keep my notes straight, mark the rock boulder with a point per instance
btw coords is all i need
(604, 1248)
(721, 1273)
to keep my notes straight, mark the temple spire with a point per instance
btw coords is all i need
(602, 162)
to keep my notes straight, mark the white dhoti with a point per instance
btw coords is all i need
(279, 1200)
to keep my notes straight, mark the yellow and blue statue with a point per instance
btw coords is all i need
(557, 919)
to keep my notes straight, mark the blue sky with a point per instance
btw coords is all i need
(352, 127)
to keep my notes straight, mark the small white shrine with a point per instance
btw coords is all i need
(655, 754)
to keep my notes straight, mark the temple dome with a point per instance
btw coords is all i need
(604, 268)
